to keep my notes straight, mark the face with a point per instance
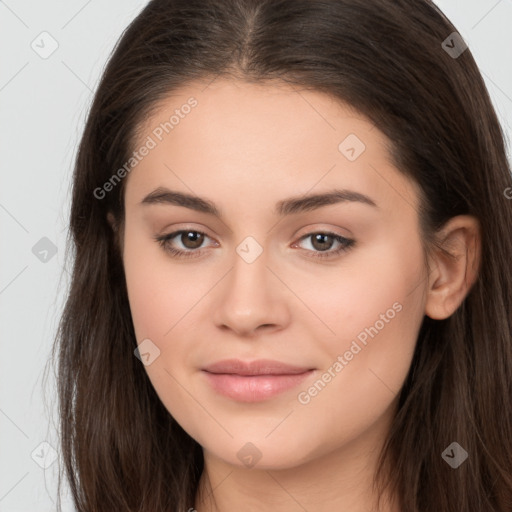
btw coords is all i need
(333, 288)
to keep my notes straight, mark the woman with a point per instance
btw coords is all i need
(291, 286)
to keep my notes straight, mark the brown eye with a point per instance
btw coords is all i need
(322, 241)
(191, 239)
(191, 242)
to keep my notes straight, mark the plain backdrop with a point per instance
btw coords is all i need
(43, 102)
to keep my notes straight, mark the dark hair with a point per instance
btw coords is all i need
(121, 447)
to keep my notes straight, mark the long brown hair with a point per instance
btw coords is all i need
(122, 449)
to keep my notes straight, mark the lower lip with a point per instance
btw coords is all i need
(253, 388)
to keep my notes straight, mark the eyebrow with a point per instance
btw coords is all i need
(290, 206)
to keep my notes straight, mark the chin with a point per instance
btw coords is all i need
(256, 452)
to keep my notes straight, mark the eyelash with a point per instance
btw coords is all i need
(163, 240)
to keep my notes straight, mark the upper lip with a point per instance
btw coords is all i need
(257, 367)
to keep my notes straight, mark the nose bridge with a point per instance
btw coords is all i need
(248, 281)
(250, 294)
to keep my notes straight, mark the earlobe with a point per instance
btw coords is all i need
(455, 265)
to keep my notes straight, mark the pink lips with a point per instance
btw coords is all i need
(253, 381)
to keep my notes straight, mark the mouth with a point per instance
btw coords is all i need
(254, 381)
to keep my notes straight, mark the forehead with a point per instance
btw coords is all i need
(260, 140)
(238, 116)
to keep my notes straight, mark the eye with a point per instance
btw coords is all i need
(322, 242)
(192, 240)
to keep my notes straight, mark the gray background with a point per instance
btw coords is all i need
(43, 102)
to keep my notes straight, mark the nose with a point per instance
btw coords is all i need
(251, 298)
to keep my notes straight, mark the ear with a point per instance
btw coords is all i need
(454, 266)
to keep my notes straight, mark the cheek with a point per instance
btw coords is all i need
(163, 298)
(159, 292)
(144, 289)
(375, 308)
(367, 291)
(376, 316)
(159, 301)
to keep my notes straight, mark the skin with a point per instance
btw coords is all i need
(245, 147)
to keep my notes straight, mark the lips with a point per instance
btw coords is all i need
(258, 367)
(253, 381)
